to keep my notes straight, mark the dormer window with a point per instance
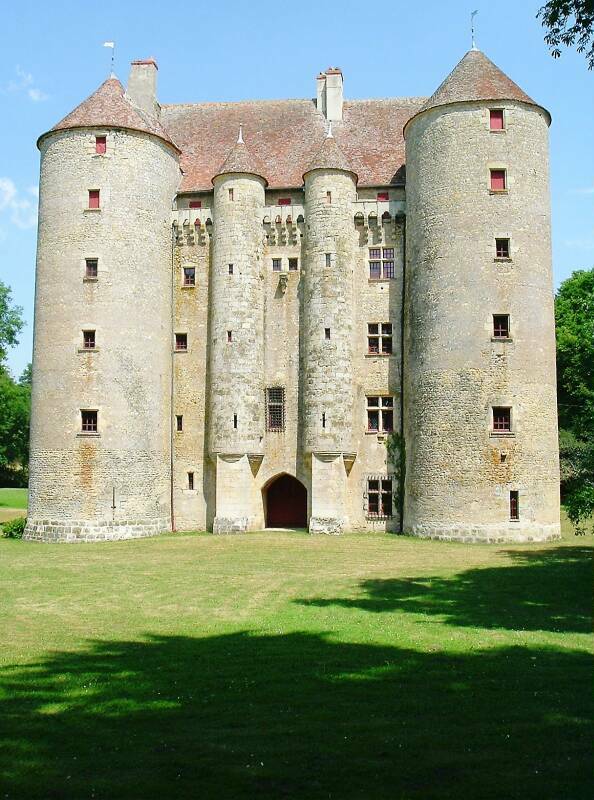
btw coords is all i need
(101, 145)
(496, 119)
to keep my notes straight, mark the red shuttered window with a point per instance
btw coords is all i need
(498, 180)
(195, 204)
(496, 119)
(284, 201)
(101, 145)
(93, 198)
(383, 197)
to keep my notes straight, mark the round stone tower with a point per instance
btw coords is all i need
(237, 338)
(327, 331)
(480, 394)
(100, 430)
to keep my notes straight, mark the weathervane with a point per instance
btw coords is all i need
(472, 16)
(112, 45)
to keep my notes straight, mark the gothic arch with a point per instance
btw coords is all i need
(285, 502)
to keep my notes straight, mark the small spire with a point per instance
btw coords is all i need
(329, 131)
(472, 16)
(240, 137)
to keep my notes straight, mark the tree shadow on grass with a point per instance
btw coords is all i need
(543, 590)
(298, 715)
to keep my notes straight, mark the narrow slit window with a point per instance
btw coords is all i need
(89, 422)
(231, 195)
(326, 333)
(514, 505)
(191, 481)
(501, 326)
(229, 336)
(235, 421)
(277, 264)
(89, 340)
(91, 268)
(328, 259)
(501, 419)
(101, 145)
(179, 422)
(275, 409)
(293, 264)
(498, 180)
(189, 276)
(181, 341)
(502, 248)
(230, 269)
(94, 198)
(323, 419)
(496, 119)
(328, 198)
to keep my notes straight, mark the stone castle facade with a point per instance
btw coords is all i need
(324, 313)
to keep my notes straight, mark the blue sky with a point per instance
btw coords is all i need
(52, 58)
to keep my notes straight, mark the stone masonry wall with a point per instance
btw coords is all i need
(459, 474)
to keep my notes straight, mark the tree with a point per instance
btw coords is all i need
(569, 22)
(574, 314)
(11, 321)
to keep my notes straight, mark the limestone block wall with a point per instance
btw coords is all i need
(459, 474)
(127, 378)
(327, 362)
(236, 365)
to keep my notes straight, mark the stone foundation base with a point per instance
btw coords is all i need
(52, 531)
(230, 525)
(328, 525)
(495, 534)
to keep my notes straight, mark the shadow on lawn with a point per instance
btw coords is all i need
(298, 715)
(543, 590)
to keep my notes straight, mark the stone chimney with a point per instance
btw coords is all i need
(329, 93)
(142, 86)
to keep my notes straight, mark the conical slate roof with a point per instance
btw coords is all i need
(241, 160)
(108, 107)
(475, 77)
(330, 156)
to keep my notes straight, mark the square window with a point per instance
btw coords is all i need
(284, 201)
(375, 253)
(498, 180)
(91, 267)
(101, 144)
(293, 264)
(388, 252)
(89, 340)
(94, 198)
(502, 248)
(195, 204)
(277, 264)
(179, 422)
(514, 504)
(181, 341)
(383, 197)
(501, 326)
(496, 119)
(502, 419)
(88, 421)
(189, 276)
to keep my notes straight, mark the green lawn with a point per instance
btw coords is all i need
(279, 665)
(13, 498)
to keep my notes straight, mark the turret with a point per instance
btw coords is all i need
(480, 396)
(237, 337)
(327, 331)
(100, 431)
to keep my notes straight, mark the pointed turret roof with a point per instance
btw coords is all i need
(239, 159)
(473, 78)
(109, 107)
(330, 156)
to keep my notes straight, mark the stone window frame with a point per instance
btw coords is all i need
(86, 276)
(179, 423)
(92, 143)
(381, 338)
(178, 338)
(501, 431)
(184, 283)
(89, 422)
(89, 340)
(504, 115)
(387, 263)
(191, 486)
(514, 505)
(501, 322)
(382, 409)
(275, 409)
(375, 494)
(100, 144)
(277, 264)
(295, 264)
(92, 195)
(507, 257)
(491, 168)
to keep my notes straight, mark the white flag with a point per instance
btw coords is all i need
(109, 44)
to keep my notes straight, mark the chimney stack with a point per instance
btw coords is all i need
(142, 86)
(329, 94)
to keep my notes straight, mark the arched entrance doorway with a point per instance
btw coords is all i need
(285, 503)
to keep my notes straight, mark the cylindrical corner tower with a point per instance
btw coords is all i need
(236, 417)
(100, 430)
(327, 332)
(480, 393)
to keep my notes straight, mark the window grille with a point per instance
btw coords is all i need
(380, 414)
(277, 264)
(502, 419)
(91, 267)
(275, 408)
(379, 337)
(88, 421)
(500, 326)
(381, 263)
(89, 340)
(181, 341)
(514, 505)
(379, 497)
(502, 248)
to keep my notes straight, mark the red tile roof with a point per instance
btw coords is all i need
(476, 77)
(241, 160)
(285, 135)
(109, 107)
(329, 156)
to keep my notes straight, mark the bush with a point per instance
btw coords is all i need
(14, 528)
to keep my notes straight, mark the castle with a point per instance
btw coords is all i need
(324, 313)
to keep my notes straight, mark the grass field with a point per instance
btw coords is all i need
(279, 665)
(13, 503)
